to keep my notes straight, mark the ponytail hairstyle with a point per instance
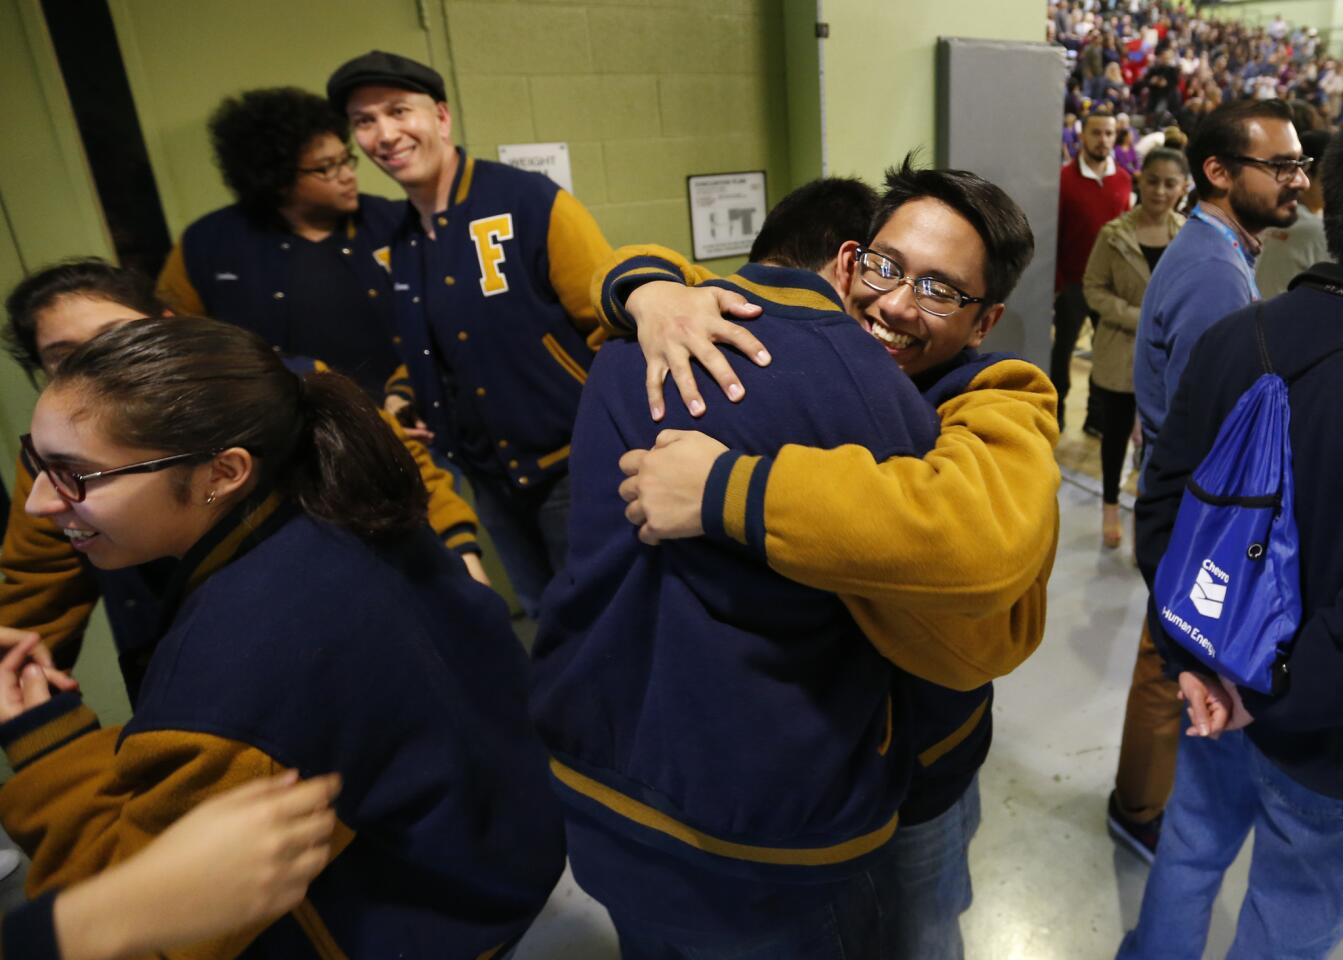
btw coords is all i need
(187, 384)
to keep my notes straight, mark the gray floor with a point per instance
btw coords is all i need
(1048, 881)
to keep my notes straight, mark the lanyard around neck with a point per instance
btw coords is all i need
(1230, 236)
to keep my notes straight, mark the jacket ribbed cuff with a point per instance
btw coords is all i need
(37, 732)
(733, 508)
(624, 280)
(461, 538)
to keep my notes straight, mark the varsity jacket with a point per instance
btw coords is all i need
(1301, 728)
(492, 317)
(948, 574)
(696, 704)
(293, 644)
(229, 267)
(47, 586)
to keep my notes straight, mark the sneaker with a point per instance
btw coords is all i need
(1141, 838)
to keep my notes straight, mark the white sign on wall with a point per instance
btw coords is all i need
(726, 211)
(552, 159)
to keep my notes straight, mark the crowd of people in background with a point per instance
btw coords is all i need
(1155, 64)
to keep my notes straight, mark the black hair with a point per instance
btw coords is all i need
(1330, 168)
(1009, 243)
(1315, 143)
(258, 137)
(1166, 155)
(1102, 112)
(186, 384)
(90, 277)
(805, 228)
(1224, 133)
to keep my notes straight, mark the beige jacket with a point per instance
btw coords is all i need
(1114, 283)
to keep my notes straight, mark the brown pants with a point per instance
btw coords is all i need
(1152, 722)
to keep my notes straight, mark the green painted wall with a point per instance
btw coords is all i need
(644, 93)
(48, 210)
(1324, 15)
(879, 64)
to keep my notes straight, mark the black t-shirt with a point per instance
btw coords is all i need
(331, 318)
(1153, 254)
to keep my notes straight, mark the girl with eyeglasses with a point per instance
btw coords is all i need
(312, 621)
(46, 587)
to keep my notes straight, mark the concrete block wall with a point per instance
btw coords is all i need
(644, 94)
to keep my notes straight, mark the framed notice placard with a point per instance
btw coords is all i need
(552, 159)
(726, 211)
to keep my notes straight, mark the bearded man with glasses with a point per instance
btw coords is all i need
(301, 257)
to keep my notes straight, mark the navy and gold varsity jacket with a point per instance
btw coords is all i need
(48, 587)
(698, 706)
(493, 319)
(229, 267)
(943, 560)
(293, 644)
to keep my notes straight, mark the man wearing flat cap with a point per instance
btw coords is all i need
(493, 318)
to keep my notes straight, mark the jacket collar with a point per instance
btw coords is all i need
(1326, 276)
(784, 291)
(248, 524)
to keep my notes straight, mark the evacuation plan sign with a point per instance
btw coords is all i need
(726, 211)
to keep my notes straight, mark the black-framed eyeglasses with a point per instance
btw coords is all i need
(1284, 171)
(71, 485)
(937, 297)
(331, 169)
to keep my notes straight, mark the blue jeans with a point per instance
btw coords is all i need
(907, 906)
(1293, 908)
(530, 530)
(925, 884)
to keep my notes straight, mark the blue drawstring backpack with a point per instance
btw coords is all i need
(1228, 589)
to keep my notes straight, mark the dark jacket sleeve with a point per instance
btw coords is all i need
(29, 931)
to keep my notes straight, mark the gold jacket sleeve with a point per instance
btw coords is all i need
(451, 517)
(87, 805)
(174, 286)
(576, 246)
(967, 530)
(44, 586)
(627, 267)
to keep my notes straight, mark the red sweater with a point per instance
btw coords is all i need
(1084, 207)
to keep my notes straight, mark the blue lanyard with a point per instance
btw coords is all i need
(1231, 238)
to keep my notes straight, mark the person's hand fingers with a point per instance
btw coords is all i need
(708, 354)
(60, 679)
(11, 694)
(683, 375)
(740, 338)
(634, 513)
(1196, 694)
(654, 377)
(731, 304)
(646, 535)
(666, 438)
(315, 793)
(10, 638)
(33, 683)
(630, 462)
(314, 828)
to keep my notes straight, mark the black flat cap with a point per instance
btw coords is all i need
(377, 68)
